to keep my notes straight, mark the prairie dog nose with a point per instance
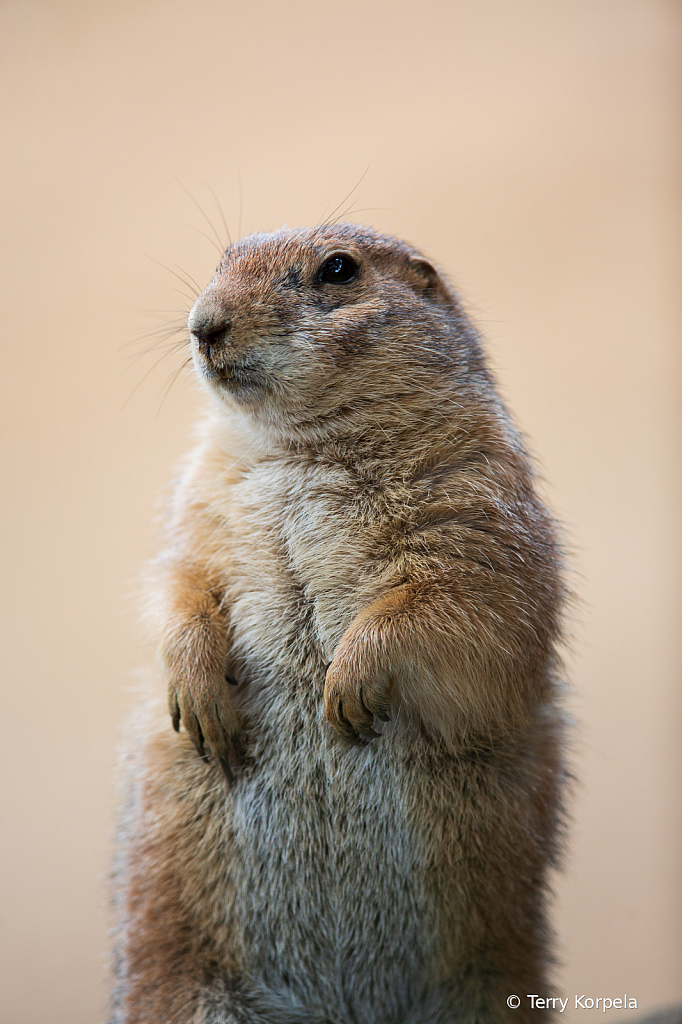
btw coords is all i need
(209, 326)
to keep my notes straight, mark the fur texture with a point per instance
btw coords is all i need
(360, 831)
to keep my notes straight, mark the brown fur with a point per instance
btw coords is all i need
(357, 541)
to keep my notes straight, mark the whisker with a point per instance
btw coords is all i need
(344, 200)
(362, 209)
(190, 279)
(241, 197)
(155, 312)
(208, 238)
(243, 455)
(165, 340)
(143, 379)
(190, 298)
(162, 331)
(172, 381)
(203, 214)
(221, 212)
(184, 279)
(168, 349)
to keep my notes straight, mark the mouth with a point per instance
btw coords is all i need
(235, 377)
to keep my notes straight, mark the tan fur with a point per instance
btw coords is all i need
(356, 540)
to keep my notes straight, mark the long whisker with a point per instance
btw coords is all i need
(167, 330)
(221, 212)
(223, 473)
(203, 213)
(185, 279)
(345, 199)
(241, 197)
(190, 298)
(144, 377)
(190, 278)
(208, 238)
(154, 312)
(362, 209)
(176, 373)
(167, 349)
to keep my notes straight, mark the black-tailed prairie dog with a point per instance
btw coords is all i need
(357, 610)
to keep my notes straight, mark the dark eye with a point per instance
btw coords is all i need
(338, 269)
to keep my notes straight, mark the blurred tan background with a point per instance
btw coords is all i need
(529, 146)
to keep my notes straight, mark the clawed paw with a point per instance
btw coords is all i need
(205, 710)
(351, 704)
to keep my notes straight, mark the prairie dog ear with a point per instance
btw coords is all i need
(426, 280)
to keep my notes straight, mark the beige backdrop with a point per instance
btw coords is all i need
(529, 146)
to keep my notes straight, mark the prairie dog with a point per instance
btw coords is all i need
(357, 612)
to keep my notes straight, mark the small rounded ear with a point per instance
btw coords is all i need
(427, 281)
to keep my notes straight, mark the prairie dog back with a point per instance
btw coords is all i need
(357, 610)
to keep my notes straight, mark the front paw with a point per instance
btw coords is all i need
(353, 695)
(205, 709)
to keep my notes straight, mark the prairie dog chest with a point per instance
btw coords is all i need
(308, 545)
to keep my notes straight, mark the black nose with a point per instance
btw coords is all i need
(210, 334)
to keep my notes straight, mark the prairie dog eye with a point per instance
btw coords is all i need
(338, 269)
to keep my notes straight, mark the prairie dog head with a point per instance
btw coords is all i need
(301, 324)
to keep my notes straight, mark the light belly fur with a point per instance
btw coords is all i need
(323, 831)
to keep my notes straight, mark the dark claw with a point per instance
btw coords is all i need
(367, 710)
(199, 743)
(226, 769)
(382, 716)
(369, 731)
(175, 713)
(347, 729)
(237, 747)
(231, 680)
